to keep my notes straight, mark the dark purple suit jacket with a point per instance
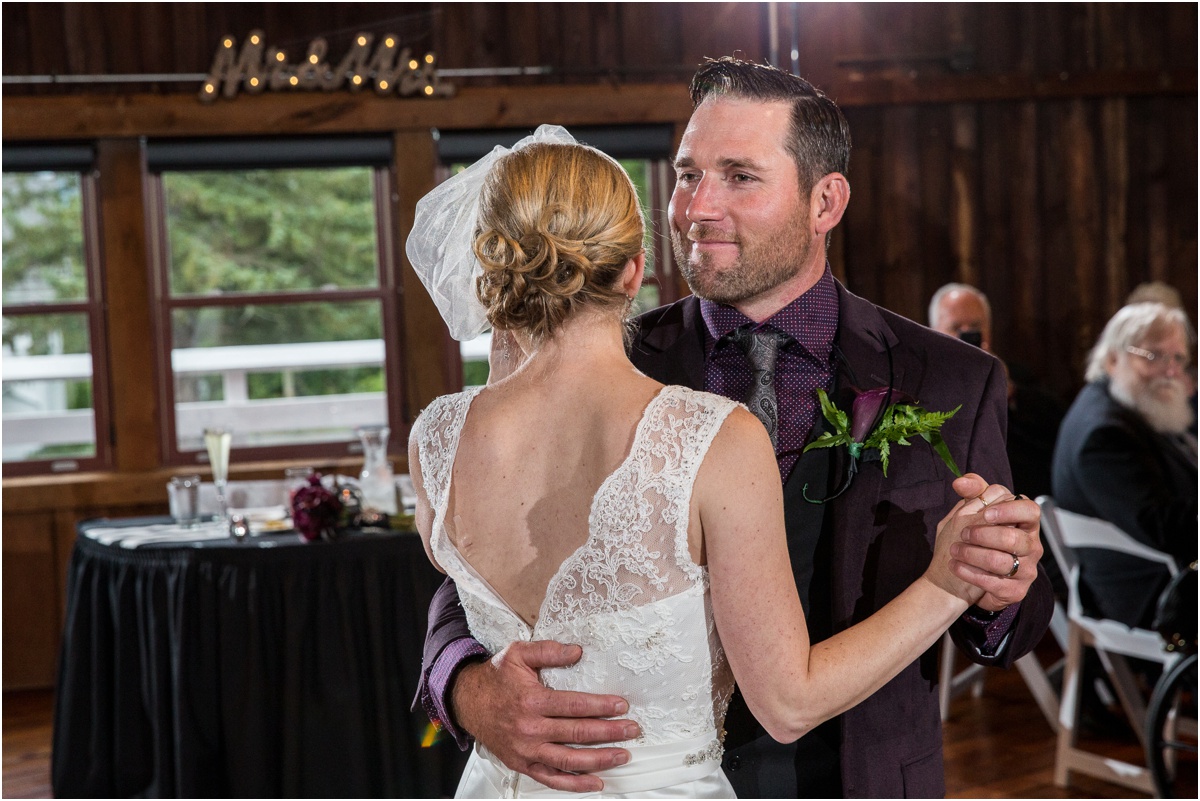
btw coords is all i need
(881, 530)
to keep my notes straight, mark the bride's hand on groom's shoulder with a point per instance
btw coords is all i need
(531, 728)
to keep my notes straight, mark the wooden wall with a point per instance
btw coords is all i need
(1045, 152)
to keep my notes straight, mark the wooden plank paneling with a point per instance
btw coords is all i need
(31, 624)
(1062, 337)
(899, 216)
(1028, 314)
(1115, 177)
(862, 247)
(935, 254)
(47, 46)
(1083, 218)
(1183, 212)
(15, 55)
(964, 187)
(992, 207)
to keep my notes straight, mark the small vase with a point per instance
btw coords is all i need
(377, 481)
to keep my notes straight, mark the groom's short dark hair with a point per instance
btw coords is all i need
(819, 138)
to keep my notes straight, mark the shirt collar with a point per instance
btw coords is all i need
(811, 320)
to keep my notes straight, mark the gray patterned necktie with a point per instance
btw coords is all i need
(762, 350)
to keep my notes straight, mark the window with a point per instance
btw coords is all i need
(276, 305)
(54, 394)
(645, 153)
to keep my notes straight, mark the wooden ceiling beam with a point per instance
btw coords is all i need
(78, 116)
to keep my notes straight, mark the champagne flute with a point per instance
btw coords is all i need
(217, 441)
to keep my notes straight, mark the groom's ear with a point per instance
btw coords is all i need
(828, 201)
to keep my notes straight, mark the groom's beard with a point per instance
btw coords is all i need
(760, 265)
(1162, 402)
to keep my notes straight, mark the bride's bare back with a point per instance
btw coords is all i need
(532, 456)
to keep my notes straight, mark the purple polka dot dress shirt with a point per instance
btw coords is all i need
(805, 362)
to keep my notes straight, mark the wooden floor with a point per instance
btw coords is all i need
(997, 746)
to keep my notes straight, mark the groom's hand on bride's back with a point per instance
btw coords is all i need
(529, 727)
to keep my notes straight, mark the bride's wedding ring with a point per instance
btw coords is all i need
(1016, 566)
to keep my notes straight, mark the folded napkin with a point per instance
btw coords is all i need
(135, 536)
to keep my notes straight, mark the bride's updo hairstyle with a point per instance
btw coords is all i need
(557, 224)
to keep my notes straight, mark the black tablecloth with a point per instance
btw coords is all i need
(269, 668)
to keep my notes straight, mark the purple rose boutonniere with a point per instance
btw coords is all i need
(878, 419)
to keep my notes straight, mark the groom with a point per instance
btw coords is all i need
(760, 184)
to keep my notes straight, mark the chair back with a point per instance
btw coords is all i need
(1066, 531)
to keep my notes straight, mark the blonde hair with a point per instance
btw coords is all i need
(557, 224)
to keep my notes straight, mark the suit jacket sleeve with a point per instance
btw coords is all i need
(448, 646)
(987, 456)
(1125, 484)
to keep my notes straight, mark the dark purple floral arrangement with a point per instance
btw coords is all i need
(316, 511)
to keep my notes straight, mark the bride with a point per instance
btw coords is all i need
(574, 499)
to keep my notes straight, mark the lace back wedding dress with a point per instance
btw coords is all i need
(631, 596)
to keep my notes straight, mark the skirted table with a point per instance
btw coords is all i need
(256, 669)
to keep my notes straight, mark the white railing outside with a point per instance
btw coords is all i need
(321, 417)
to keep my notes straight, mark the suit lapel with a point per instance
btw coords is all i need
(673, 350)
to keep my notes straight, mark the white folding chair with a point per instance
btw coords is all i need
(1038, 678)
(1113, 642)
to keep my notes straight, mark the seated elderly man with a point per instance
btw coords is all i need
(1125, 454)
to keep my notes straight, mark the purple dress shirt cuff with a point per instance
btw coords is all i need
(986, 630)
(435, 695)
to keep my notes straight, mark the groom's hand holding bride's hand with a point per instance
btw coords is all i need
(998, 555)
(504, 705)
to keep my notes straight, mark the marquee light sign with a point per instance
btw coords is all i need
(390, 68)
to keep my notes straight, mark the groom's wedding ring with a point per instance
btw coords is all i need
(1016, 566)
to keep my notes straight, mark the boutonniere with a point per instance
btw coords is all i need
(875, 423)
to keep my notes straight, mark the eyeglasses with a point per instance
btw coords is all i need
(1160, 361)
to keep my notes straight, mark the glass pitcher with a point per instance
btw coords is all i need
(377, 481)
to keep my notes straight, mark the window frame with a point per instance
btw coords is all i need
(387, 293)
(67, 158)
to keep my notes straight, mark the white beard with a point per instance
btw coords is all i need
(1162, 402)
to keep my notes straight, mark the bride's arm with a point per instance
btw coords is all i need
(789, 686)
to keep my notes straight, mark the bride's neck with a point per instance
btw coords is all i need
(591, 339)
